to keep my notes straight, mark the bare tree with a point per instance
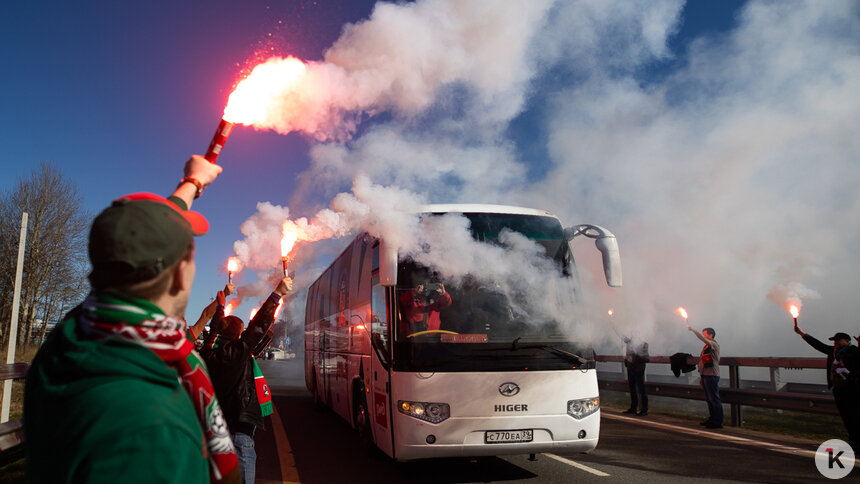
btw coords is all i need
(55, 257)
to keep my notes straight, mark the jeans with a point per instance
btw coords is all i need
(711, 385)
(636, 381)
(244, 444)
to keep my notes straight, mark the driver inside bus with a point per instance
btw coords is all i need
(421, 306)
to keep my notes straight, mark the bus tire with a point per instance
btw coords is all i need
(361, 418)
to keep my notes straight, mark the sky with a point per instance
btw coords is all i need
(716, 140)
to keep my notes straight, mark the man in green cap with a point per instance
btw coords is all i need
(116, 393)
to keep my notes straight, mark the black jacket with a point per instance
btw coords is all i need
(679, 364)
(851, 358)
(232, 370)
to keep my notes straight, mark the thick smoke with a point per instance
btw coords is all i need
(726, 175)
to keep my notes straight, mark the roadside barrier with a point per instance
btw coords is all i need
(776, 396)
(12, 432)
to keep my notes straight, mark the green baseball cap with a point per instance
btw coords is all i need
(138, 237)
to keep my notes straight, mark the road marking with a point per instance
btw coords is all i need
(578, 465)
(758, 444)
(289, 473)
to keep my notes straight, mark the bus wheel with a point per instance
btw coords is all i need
(362, 418)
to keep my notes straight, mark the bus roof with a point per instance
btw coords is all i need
(481, 208)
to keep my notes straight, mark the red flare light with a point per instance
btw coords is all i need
(794, 310)
(256, 97)
(232, 268)
(278, 309)
(228, 309)
(287, 242)
(264, 91)
(610, 312)
(682, 312)
(253, 313)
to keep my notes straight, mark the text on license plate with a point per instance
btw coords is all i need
(505, 436)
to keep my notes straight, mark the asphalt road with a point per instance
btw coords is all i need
(303, 445)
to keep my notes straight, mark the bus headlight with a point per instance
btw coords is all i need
(428, 411)
(579, 409)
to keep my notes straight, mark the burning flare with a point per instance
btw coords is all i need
(228, 309)
(261, 95)
(232, 265)
(794, 310)
(278, 309)
(287, 241)
(610, 312)
(682, 312)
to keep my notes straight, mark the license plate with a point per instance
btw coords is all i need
(507, 436)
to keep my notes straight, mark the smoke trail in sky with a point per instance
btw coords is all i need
(725, 173)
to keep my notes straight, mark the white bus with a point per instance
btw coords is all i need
(472, 380)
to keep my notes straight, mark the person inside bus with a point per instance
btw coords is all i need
(421, 306)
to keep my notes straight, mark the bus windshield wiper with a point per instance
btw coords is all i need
(551, 349)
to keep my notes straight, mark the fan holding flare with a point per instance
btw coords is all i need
(843, 378)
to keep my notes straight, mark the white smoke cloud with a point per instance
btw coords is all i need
(716, 176)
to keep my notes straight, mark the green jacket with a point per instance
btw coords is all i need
(108, 411)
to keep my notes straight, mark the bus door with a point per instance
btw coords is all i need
(380, 358)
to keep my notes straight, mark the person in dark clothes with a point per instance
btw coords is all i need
(843, 378)
(230, 360)
(635, 359)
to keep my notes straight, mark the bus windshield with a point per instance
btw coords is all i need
(470, 325)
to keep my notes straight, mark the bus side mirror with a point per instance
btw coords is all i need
(387, 264)
(607, 244)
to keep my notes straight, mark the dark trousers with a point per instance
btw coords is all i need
(636, 381)
(848, 403)
(711, 385)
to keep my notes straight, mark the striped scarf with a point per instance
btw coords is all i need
(707, 357)
(108, 316)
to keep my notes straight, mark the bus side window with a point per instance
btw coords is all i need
(378, 311)
(379, 318)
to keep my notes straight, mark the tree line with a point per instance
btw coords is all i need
(55, 258)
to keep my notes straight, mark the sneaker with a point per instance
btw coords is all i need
(642, 413)
(712, 425)
(629, 410)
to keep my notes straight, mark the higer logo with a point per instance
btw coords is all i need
(834, 459)
(511, 408)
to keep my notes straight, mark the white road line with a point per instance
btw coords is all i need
(578, 465)
(785, 449)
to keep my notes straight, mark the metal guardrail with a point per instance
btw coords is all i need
(12, 432)
(734, 395)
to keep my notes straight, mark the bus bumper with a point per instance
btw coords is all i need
(466, 437)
